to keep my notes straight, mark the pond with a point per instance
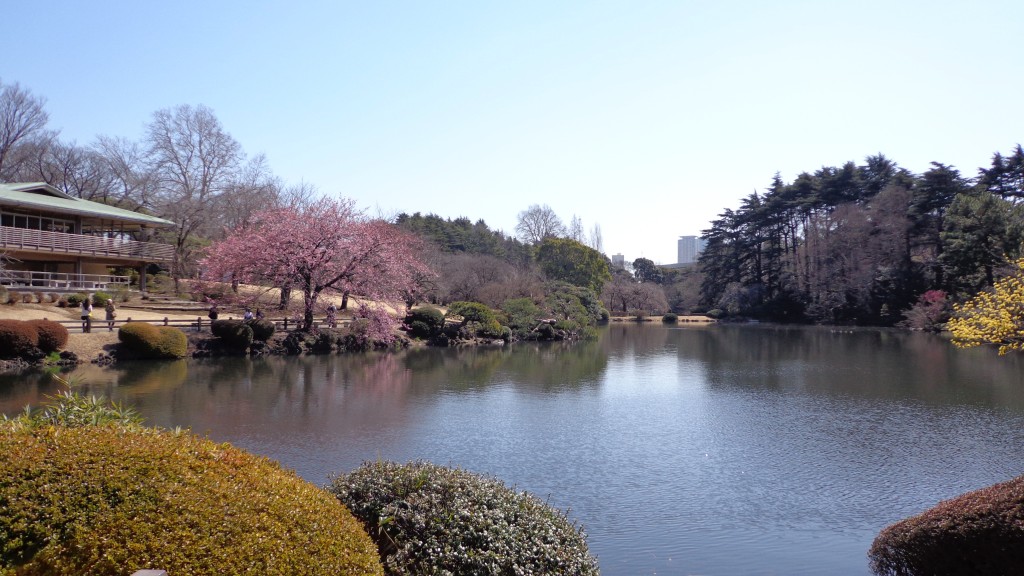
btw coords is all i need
(681, 450)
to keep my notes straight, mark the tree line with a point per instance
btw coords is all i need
(235, 222)
(186, 168)
(865, 244)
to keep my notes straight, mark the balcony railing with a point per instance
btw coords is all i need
(83, 245)
(50, 281)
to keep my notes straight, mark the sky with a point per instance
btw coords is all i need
(646, 118)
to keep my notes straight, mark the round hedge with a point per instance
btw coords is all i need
(471, 312)
(429, 519)
(262, 329)
(234, 333)
(106, 500)
(52, 335)
(424, 322)
(17, 339)
(980, 532)
(148, 341)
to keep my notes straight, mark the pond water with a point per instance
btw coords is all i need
(681, 450)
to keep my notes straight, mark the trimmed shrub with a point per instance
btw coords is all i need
(490, 329)
(670, 318)
(981, 532)
(471, 312)
(522, 316)
(18, 339)
(262, 330)
(424, 321)
(113, 499)
(148, 341)
(234, 333)
(418, 329)
(75, 299)
(52, 335)
(4, 297)
(100, 298)
(429, 519)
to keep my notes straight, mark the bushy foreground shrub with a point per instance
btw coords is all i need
(235, 334)
(52, 335)
(670, 318)
(428, 519)
(981, 532)
(112, 499)
(148, 341)
(18, 339)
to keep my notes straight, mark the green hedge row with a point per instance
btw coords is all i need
(30, 338)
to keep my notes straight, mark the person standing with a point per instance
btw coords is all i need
(332, 316)
(87, 314)
(111, 314)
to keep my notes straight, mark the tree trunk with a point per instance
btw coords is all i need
(309, 299)
(286, 295)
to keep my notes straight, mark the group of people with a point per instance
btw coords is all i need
(111, 314)
(332, 315)
(109, 308)
(248, 315)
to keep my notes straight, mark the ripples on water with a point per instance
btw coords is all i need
(721, 450)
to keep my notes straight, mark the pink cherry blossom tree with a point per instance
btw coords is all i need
(326, 245)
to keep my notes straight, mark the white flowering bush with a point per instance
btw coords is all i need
(428, 519)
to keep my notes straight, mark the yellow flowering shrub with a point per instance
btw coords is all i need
(993, 317)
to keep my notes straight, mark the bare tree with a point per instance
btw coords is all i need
(298, 194)
(596, 240)
(194, 161)
(576, 230)
(21, 118)
(537, 223)
(73, 169)
(132, 184)
(255, 188)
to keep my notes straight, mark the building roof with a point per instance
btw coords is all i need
(42, 196)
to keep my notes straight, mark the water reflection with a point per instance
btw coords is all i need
(711, 450)
(861, 363)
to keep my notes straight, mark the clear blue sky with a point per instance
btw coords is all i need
(648, 118)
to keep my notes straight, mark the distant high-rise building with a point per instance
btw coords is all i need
(690, 248)
(619, 261)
